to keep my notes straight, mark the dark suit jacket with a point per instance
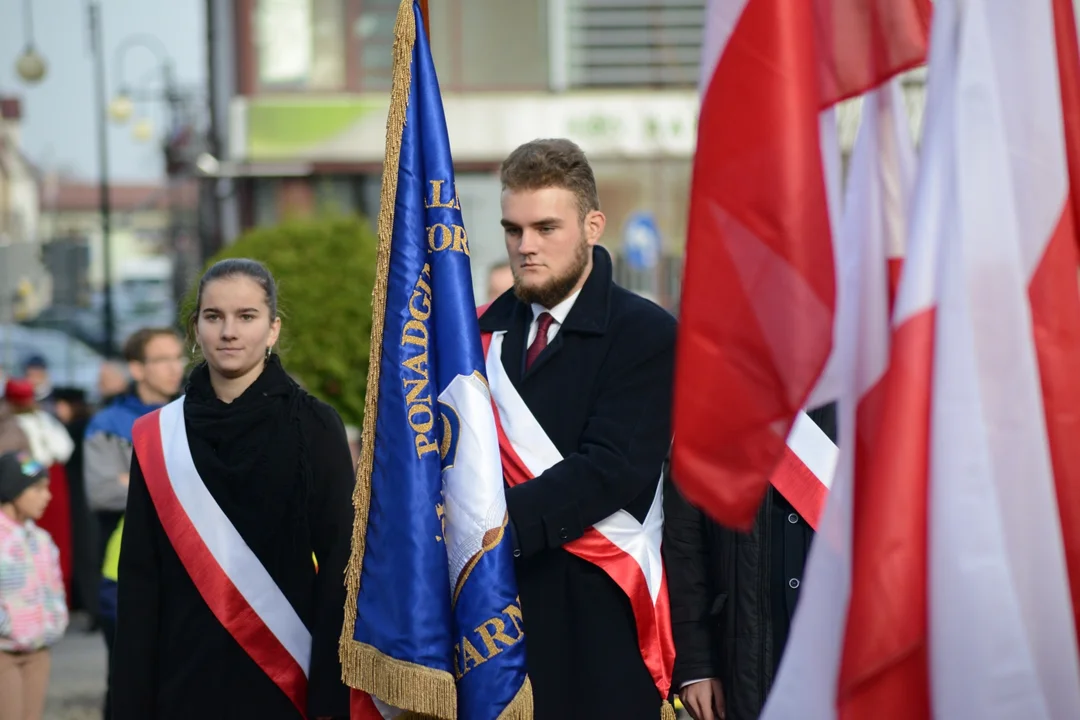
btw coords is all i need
(602, 392)
(731, 598)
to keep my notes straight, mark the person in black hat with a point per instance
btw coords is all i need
(33, 609)
(18, 473)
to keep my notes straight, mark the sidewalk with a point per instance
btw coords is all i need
(77, 684)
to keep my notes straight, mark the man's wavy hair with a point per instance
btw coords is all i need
(557, 163)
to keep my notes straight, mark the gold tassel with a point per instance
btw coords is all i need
(521, 707)
(421, 690)
(424, 691)
(667, 712)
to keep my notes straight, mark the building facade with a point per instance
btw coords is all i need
(25, 287)
(152, 231)
(300, 91)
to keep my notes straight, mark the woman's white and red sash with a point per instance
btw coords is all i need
(228, 575)
(627, 550)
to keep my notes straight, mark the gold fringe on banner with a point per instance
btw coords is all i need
(667, 712)
(408, 686)
(418, 689)
(521, 707)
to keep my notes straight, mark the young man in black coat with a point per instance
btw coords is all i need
(593, 364)
(733, 597)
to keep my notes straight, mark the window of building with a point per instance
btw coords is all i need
(490, 45)
(503, 45)
(300, 44)
(347, 45)
(372, 35)
(618, 43)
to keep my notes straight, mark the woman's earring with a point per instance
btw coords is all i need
(268, 349)
(195, 348)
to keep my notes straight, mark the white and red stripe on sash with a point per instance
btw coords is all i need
(228, 575)
(627, 550)
(806, 469)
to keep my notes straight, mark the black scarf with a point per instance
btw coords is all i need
(252, 456)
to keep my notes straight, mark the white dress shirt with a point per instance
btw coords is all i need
(558, 316)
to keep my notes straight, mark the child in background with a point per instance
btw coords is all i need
(33, 609)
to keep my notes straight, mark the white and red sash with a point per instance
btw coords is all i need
(806, 469)
(228, 575)
(627, 550)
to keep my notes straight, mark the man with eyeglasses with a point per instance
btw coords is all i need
(156, 361)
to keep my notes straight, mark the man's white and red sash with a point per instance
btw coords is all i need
(228, 575)
(805, 471)
(627, 550)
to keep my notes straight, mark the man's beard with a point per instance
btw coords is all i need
(557, 289)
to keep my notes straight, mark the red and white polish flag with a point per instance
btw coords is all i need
(880, 177)
(960, 601)
(758, 302)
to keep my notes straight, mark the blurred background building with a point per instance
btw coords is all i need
(278, 108)
(25, 286)
(149, 223)
(300, 126)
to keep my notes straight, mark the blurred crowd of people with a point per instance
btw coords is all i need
(67, 464)
(84, 451)
(51, 424)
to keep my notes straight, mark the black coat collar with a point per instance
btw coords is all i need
(588, 316)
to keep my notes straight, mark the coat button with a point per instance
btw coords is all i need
(517, 553)
(563, 534)
(793, 519)
(793, 583)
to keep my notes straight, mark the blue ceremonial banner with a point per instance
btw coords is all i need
(433, 621)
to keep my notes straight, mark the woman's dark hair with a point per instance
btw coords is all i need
(230, 268)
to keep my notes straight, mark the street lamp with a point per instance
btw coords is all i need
(97, 44)
(30, 66)
(180, 141)
(121, 108)
(143, 130)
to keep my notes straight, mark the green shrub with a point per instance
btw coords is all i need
(325, 270)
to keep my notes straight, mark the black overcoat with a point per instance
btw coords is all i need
(173, 659)
(601, 391)
(733, 594)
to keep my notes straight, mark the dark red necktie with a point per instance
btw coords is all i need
(543, 324)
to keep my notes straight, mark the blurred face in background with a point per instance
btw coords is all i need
(500, 279)
(37, 376)
(158, 376)
(32, 501)
(64, 411)
(234, 327)
(352, 433)
(112, 380)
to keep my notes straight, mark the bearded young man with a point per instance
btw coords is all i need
(581, 373)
